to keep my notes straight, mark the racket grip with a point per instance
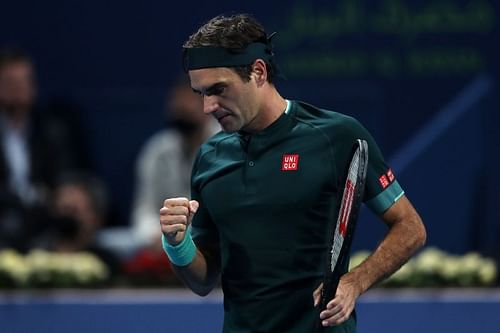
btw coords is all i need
(327, 294)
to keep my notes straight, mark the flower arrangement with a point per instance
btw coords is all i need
(42, 269)
(436, 268)
(150, 268)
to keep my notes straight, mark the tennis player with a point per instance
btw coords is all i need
(265, 191)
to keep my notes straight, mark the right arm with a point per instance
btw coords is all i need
(201, 275)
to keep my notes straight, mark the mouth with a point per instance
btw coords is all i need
(222, 115)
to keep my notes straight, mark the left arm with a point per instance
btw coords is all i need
(405, 236)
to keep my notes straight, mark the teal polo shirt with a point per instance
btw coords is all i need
(268, 199)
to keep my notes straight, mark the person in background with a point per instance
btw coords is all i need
(79, 210)
(35, 148)
(165, 161)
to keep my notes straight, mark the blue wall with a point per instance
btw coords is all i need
(409, 312)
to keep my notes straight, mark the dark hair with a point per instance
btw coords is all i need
(9, 55)
(233, 32)
(93, 187)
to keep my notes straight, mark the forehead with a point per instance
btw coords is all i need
(201, 79)
(18, 70)
(15, 66)
(70, 192)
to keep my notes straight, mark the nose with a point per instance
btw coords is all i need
(210, 104)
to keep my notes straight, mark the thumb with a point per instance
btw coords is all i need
(193, 207)
(317, 295)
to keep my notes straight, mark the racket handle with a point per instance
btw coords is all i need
(327, 294)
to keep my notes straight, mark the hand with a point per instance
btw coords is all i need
(339, 308)
(175, 217)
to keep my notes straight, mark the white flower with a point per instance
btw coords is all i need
(471, 263)
(430, 261)
(44, 268)
(450, 268)
(487, 272)
(87, 267)
(14, 265)
(403, 274)
(41, 265)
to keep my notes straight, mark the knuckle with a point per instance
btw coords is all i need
(170, 202)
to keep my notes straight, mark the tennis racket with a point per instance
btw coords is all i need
(341, 239)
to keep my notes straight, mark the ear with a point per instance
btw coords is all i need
(259, 72)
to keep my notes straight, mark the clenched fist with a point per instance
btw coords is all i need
(175, 217)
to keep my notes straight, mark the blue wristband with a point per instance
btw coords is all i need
(183, 253)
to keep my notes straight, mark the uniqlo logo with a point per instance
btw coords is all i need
(390, 175)
(290, 162)
(383, 181)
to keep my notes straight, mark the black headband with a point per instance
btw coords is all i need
(209, 57)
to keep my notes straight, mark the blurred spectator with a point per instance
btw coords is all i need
(165, 162)
(79, 210)
(35, 148)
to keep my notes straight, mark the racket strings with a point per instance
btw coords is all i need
(345, 209)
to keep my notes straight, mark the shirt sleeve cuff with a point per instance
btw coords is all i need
(386, 198)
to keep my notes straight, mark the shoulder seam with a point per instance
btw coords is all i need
(217, 142)
(330, 144)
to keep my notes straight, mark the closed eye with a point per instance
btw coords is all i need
(216, 89)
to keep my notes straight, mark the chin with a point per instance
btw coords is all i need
(230, 129)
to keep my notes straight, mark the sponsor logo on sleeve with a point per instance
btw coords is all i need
(384, 181)
(390, 175)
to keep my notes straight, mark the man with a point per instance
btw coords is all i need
(79, 209)
(35, 148)
(17, 98)
(165, 161)
(261, 226)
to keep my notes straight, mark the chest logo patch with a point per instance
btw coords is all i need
(290, 162)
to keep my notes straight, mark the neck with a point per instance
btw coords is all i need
(272, 107)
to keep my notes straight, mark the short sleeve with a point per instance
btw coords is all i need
(382, 189)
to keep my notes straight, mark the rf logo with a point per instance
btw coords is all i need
(290, 162)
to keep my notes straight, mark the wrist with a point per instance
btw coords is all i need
(355, 281)
(181, 254)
